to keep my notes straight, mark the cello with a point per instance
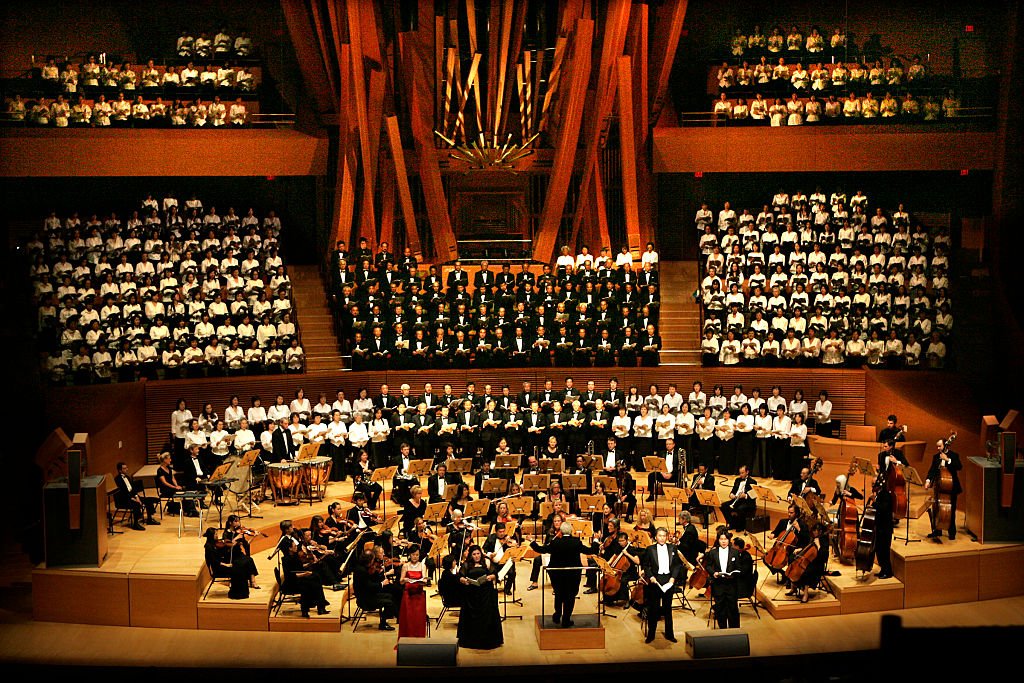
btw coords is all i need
(802, 559)
(777, 557)
(611, 582)
(942, 505)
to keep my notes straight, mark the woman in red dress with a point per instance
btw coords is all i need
(412, 616)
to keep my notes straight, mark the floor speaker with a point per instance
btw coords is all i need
(427, 652)
(730, 642)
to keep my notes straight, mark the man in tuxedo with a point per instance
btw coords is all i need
(663, 571)
(385, 401)
(671, 467)
(565, 550)
(283, 445)
(722, 563)
(741, 503)
(884, 523)
(805, 484)
(469, 428)
(690, 544)
(457, 277)
(535, 423)
(133, 496)
(437, 482)
(702, 480)
(891, 432)
(944, 457)
(423, 432)
(484, 278)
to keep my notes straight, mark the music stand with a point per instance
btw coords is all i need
(639, 538)
(460, 465)
(610, 483)
(574, 483)
(420, 468)
(380, 476)
(546, 508)
(477, 509)
(802, 506)
(536, 483)
(435, 512)
(507, 462)
(596, 463)
(867, 469)
(912, 477)
(495, 486)
(308, 451)
(655, 463)
(581, 527)
(765, 495)
(550, 465)
(439, 547)
(708, 499)
(507, 562)
(590, 503)
(605, 568)
(677, 495)
(449, 492)
(520, 505)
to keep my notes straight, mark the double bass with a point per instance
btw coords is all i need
(847, 519)
(942, 504)
(896, 485)
(864, 556)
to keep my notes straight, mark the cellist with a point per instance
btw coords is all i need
(950, 459)
(793, 526)
(812, 574)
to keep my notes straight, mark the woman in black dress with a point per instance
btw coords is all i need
(812, 575)
(479, 619)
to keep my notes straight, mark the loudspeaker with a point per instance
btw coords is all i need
(427, 651)
(730, 642)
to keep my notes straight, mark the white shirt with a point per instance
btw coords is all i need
(723, 558)
(663, 561)
(609, 460)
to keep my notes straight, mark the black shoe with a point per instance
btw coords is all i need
(671, 639)
(321, 610)
(337, 587)
(138, 527)
(386, 627)
(952, 535)
(557, 618)
(568, 623)
(590, 591)
(884, 576)
(935, 534)
(650, 638)
(305, 614)
(152, 522)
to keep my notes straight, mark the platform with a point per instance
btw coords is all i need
(772, 597)
(859, 592)
(586, 634)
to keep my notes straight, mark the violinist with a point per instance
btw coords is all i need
(950, 460)
(809, 580)
(702, 481)
(229, 557)
(372, 589)
(741, 503)
(494, 549)
(287, 539)
(421, 536)
(460, 533)
(324, 563)
(643, 523)
(362, 519)
(551, 532)
(803, 485)
(328, 532)
(361, 475)
(336, 520)
(662, 571)
(298, 578)
(448, 586)
(503, 516)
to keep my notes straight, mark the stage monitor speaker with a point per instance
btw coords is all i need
(730, 642)
(427, 652)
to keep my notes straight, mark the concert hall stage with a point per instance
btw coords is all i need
(155, 579)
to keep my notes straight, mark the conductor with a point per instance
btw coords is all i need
(565, 550)
(663, 571)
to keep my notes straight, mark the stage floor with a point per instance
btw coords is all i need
(24, 640)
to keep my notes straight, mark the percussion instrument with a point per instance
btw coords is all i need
(285, 481)
(316, 473)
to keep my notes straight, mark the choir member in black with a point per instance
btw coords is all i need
(362, 472)
(891, 432)
(950, 460)
(599, 424)
(423, 432)
(650, 345)
(741, 503)
(884, 522)
(722, 563)
(663, 571)
(628, 345)
(299, 578)
(479, 619)
(491, 421)
(811, 577)
(132, 496)
(373, 589)
(468, 429)
(494, 548)
(535, 425)
(626, 496)
(550, 532)
(672, 470)
(804, 485)
(514, 429)
(702, 481)
(565, 550)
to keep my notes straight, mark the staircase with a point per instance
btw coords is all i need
(680, 317)
(314, 320)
